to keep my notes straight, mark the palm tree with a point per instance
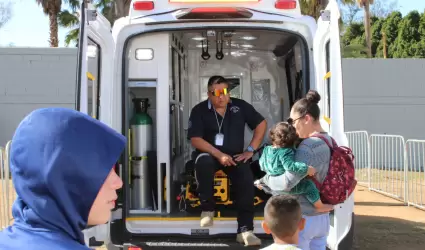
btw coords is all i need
(71, 18)
(52, 8)
(365, 4)
(120, 8)
(313, 7)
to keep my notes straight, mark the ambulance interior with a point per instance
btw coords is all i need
(265, 68)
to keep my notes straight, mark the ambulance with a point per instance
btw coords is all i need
(143, 76)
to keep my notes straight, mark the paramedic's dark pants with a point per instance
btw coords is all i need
(242, 184)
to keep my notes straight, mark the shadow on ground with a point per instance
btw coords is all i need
(386, 233)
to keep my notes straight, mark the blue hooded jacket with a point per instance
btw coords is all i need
(59, 159)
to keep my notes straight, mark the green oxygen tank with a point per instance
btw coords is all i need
(141, 143)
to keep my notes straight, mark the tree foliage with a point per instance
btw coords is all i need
(69, 18)
(402, 37)
(5, 12)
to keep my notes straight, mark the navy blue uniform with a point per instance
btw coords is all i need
(204, 123)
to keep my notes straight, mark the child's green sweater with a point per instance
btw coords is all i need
(276, 161)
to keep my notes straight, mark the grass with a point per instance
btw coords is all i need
(6, 209)
(393, 183)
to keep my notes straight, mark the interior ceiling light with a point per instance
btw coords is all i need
(247, 46)
(198, 38)
(200, 46)
(249, 38)
(237, 53)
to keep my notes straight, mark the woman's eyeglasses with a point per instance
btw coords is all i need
(218, 92)
(291, 121)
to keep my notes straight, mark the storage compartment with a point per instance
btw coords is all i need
(267, 69)
(142, 161)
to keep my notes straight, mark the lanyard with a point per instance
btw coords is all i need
(216, 118)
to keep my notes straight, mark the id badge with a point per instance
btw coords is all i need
(219, 139)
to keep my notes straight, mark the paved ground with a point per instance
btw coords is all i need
(385, 224)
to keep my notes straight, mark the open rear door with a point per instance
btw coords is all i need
(95, 62)
(327, 60)
(94, 81)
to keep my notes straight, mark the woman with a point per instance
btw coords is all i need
(305, 117)
(62, 168)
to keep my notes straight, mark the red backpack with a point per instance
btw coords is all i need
(340, 181)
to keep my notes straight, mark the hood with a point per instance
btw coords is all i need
(59, 159)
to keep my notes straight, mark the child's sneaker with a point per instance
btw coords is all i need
(262, 186)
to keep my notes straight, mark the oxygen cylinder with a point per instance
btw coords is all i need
(141, 140)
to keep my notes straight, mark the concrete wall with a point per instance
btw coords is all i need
(32, 78)
(381, 96)
(385, 96)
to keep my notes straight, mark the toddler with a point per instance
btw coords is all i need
(279, 158)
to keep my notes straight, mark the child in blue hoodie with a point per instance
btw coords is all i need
(62, 169)
(279, 158)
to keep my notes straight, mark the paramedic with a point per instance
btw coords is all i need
(305, 116)
(216, 130)
(62, 168)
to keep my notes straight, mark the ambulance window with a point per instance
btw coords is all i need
(235, 87)
(328, 80)
(93, 78)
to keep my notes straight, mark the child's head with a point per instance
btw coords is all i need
(282, 217)
(283, 135)
(62, 165)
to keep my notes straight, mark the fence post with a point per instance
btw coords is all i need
(406, 178)
(3, 194)
(369, 161)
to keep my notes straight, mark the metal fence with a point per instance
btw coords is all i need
(389, 165)
(7, 191)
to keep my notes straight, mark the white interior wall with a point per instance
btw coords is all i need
(251, 67)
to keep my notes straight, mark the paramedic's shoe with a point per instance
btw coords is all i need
(207, 219)
(248, 238)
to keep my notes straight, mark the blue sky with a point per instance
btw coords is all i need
(35, 31)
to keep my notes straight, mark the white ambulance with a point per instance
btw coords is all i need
(143, 75)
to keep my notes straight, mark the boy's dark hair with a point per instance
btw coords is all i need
(283, 134)
(282, 214)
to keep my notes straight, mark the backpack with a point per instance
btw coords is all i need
(340, 181)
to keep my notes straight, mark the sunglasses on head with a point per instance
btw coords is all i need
(218, 92)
